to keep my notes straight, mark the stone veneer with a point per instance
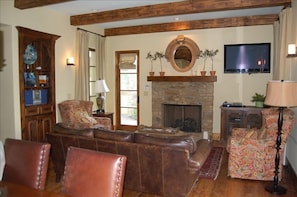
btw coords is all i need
(192, 93)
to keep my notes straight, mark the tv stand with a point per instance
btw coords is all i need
(239, 117)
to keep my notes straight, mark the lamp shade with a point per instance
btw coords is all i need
(100, 86)
(281, 93)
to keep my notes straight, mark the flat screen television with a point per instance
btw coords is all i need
(247, 58)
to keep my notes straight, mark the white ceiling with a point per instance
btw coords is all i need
(90, 6)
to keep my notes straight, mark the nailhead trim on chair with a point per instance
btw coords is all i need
(40, 166)
(120, 165)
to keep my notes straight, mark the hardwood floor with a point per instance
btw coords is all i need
(222, 186)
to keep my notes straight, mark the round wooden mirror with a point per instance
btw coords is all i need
(182, 53)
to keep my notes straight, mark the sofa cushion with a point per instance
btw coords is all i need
(60, 128)
(161, 131)
(180, 141)
(116, 135)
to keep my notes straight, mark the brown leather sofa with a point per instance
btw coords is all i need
(166, 164)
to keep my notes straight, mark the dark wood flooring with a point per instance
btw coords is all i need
(222, 186)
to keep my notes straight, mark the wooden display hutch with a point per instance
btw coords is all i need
(239, 117)
(37, 83)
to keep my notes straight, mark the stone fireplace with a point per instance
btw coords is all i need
(190, 90)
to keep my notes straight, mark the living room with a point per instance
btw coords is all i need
(229, 87)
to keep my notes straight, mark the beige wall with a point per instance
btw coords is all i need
(292, 141)
(42, 20)
(229, 87)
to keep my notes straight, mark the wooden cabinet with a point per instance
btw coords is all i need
(37, 83)
(239, 117)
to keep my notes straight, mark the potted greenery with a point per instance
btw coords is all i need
(211, 54)
(160, 55)
(258, 99)
(204, 56)
(151, 58)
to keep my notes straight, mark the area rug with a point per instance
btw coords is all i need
(212, 165)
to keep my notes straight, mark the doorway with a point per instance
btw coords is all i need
(127, 90)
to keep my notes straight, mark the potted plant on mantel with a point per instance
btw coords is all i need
(151, 58)
(204, 56)
(211, 55)
(160, 55)
(258, 99)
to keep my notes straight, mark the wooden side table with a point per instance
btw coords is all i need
(105, 114)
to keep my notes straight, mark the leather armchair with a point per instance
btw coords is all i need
(252, 151)
(77, 114)
(91, 173)
(26, 162)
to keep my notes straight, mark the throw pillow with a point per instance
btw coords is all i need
(251, 133)
(155, 130)
(84, 117)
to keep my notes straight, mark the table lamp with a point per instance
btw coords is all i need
(280, 94)
(101, 88)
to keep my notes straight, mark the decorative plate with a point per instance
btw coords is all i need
(30, 55)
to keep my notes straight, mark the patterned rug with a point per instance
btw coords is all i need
(212, 165)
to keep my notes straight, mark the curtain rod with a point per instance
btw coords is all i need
(90, 32)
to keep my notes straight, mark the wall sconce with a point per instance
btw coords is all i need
(292, 50)
(70, 61)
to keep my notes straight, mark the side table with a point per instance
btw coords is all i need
(105, 114)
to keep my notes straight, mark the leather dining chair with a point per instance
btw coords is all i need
(26, 162)
(92, 173)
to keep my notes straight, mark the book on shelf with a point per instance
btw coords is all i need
(42, 79)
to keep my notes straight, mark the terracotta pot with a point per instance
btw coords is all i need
(162, 73)
(203, 73)
(152, 73)
(212, 73)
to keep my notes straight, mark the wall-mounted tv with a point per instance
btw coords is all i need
(247, 58)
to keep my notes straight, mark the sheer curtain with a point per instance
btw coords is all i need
(81, 74)
(283, 35)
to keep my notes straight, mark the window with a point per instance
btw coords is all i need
(92, 76)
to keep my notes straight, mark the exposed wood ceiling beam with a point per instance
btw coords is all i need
(25, 4)
(189, 25)
(168, 9)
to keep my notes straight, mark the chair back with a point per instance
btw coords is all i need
(26, 162)
(91, 173)
(270, 122)
(77, 114)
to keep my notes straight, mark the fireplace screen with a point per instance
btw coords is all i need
(185, 117)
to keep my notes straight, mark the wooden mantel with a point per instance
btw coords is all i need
(183, 78)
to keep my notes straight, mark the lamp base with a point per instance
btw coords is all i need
(100, 103)
(278, 190)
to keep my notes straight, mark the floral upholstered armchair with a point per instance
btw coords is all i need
(77, 114)
(252, 151)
